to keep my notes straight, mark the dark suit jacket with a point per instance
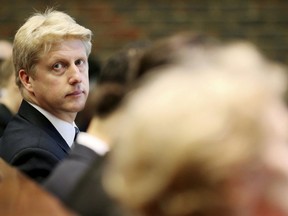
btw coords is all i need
(76, 181)
(5, 117)
(32, 144)
(66, 175)
(89, 198)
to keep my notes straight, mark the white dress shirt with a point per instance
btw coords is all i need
(66, 129)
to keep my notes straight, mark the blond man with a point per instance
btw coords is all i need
(50, 54)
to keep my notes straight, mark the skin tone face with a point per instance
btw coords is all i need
(60, 84)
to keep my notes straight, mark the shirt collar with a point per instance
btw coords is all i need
(66, 129)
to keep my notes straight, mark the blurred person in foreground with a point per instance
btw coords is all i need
(210, 141)
(50, 56)
(11, 97)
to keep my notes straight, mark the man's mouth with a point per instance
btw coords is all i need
(75, 93)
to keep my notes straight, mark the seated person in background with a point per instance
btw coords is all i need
(11, 97)
(5, 53)
(210, 141)
(50, 55)
(5, 49)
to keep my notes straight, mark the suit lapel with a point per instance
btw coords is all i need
(32, 115)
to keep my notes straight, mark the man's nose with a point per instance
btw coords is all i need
(74, 74)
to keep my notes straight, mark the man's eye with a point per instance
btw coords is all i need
(58, 66)
(79, 62)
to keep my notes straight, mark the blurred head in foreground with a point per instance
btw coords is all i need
(202, 141)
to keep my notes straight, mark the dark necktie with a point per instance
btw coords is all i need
(76, 132)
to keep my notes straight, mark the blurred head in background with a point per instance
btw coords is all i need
(5, 53)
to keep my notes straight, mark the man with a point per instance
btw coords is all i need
(50, 54)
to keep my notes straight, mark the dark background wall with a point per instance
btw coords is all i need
(117, 22)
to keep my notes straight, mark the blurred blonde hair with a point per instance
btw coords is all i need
(181, 136)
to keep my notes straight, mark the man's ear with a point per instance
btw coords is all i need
(25, 80)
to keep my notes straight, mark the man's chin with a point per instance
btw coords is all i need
(76, 108)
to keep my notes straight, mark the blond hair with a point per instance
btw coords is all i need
(174, 152)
